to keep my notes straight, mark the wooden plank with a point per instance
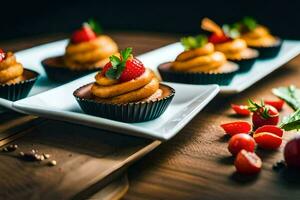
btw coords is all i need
(84, 156)
(196, 164)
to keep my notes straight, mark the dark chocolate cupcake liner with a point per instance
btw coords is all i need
(245, 65)
(16, 91)
(196, 77)
(269, 52)
(64, 74)
(130, 112)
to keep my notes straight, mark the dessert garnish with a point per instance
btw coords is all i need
(191, 42)
(218, 34)
(2, 55)
(248, 22)
(123, 68)
(87, 32)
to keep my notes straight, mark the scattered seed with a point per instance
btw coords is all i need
(10, 148)
(46, 156)
(52, 163)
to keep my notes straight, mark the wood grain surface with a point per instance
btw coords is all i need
(195, 164)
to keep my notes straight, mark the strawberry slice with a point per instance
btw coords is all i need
(270, 129)
(234, 128)
(84, 34)
(241, 109)
(278, 104)
(267, 140)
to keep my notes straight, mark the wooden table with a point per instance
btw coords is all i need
(195, 164)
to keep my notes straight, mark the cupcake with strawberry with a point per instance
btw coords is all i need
(259, 37)
(227, 40)
(15, 81)
(87, 51)
(125, 91)
(199, 63)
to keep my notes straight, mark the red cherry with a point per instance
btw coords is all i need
(83, 35)
(239, 142)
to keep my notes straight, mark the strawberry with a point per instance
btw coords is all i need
(133, 69)
(216, 39)
(263, 114)
(2, 55)
(84, 34)
(124, 68)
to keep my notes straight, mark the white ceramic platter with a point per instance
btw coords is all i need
(60, 104)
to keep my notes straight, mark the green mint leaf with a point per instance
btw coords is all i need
(291, 95)
(249, 22)
(126, 53)
(193, 42)
(232, 30)
(115, 61)
(95, 26)
(111, 73)
(292, 122)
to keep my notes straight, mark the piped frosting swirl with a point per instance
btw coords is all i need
(10, 69)
(202, 59)
(90, 54)
(142, 88)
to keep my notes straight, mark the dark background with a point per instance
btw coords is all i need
(31, 18)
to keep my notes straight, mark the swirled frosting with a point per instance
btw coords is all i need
(143, 88)
(90, 54)
(10, 70)
(259, 37)
(203, 59)
(235, 49)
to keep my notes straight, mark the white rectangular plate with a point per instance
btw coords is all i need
(240, 82)
(31, 58)
(60, 104)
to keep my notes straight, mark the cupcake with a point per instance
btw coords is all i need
(87, 51)
(259, 37)
(15, 81)
(125, 91)
(226, 40)
(199, 63)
